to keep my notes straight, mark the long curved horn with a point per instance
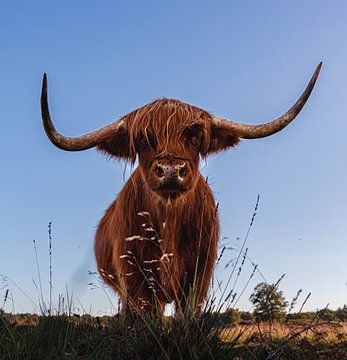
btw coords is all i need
(78, 143)
(247, 131)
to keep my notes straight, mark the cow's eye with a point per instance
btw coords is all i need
(149, 140)
(195, 140)
(193, 136)
(152, 141)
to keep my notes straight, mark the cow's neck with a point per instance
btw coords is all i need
(168, 216)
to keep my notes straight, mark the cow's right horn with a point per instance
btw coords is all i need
(250, 131)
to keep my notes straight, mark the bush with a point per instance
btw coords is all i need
(233, 316)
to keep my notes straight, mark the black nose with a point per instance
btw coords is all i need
(171, 172)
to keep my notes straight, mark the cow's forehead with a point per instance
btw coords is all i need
(165, 116)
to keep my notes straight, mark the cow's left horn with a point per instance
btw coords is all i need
(247, 131)
(77, 143)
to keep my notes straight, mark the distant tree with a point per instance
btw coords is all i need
(246, 315)
(269, 302)
(326, 315)
(341, 313)
(309, 315)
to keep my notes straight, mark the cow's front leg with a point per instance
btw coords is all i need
(140, 295)
(195, 282)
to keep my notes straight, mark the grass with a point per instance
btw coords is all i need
(60, 337)
(86, 337)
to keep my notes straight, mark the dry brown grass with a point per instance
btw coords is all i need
(249, 332)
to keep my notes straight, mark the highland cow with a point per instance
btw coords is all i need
(158, 239)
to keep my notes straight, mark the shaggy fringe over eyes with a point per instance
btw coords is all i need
(166, 119)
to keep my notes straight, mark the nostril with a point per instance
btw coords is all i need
(160, 171)
(182, 170)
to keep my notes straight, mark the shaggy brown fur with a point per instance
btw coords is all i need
(153, 245)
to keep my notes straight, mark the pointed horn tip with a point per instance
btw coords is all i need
(44, 86)
(318, 68)
(315, 75)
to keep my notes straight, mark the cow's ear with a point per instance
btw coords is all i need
(118, 145)
(221, 138)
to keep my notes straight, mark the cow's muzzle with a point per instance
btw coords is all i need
(172, 177)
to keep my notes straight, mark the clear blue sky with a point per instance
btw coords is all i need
(246, 60)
